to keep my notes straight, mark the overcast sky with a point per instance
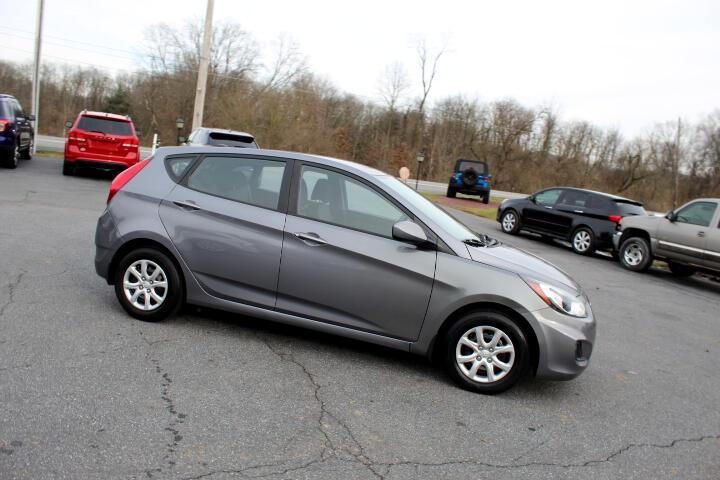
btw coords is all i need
(625, 64)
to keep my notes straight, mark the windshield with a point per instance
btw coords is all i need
(479, 167)
(435, 213)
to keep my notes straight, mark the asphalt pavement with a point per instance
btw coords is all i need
(86, 392)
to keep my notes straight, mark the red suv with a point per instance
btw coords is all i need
(101, 140)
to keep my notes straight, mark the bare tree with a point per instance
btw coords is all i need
(392, 84)
(428, 62)
(288, 63)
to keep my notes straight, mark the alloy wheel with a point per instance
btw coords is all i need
(485, 354)
(582, 241)
(633, 254)
(145, 285)
(508, 222)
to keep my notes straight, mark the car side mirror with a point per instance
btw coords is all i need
(671, 215)
(408, 231)
(68, 124)
(532, 198)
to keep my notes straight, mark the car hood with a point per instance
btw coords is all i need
(523, 263)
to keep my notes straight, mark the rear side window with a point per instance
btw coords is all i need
(105, 125)
(5, 110)
(177, 166)
(629, 209)
(247, 180)
(220, 139)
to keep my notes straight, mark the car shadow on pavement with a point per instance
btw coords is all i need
(374, 356)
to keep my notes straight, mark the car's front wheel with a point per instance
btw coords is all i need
(510, 222)
(148, 285)
(635, 254)
(486, 352)
(583, 241)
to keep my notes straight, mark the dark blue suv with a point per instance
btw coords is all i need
(17, 134)
(470, 177)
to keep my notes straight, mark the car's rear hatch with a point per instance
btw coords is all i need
(107, 136)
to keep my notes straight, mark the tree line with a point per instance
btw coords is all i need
(277, 98)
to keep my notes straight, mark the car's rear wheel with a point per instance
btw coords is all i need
(148, 285)
(583, 241)
(635, 254)
(680, 270)
(486, 198)
(486, 352)
(510, 222)
(68, 168)
(27, 153)
(12, 158)
(451, 193)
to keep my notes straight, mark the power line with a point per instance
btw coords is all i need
(70, 40)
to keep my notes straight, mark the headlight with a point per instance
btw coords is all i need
(558, 298)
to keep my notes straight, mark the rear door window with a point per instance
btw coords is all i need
(105, 125)
(575, 199)
(248, 180)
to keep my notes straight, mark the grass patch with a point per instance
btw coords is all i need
(45, 153)
(489, 213)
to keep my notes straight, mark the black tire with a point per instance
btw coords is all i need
(11, 159)
(174, 295)
(505, 226)
(582, 241)
(495, 321)
(681, 270)
(451, 193)
(635, 254)
(27, 153)
(486, 198)
(68, 168)
(615, 254)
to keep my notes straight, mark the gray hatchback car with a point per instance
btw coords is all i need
(340, 248)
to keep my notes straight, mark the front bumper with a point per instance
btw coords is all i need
(565, 344)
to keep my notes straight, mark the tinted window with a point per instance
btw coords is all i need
(338, 199)
(698, 213)
(248, 180)
(575, 198)
(220, 139)
(105, 125)
(177, 166)
(629, 209)
(479, 167)
(548, 197)
(18, 109)
(5, 110)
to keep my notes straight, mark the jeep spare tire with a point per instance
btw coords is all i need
(469, 177)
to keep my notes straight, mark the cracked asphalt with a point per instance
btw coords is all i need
(87, 392)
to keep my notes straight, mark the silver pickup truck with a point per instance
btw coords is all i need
(687, 238)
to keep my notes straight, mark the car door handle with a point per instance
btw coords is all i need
(547, 206)
(187, 204)
(310, 237)
(701, 234)
(578, 211)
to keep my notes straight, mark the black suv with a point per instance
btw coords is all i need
(587, 219)
(219, 137)
(16, 132)
(470, 177)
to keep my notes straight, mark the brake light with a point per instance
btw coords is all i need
(615, 219)
(4, 124)
(124, 177)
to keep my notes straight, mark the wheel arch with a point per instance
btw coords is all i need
(489, 306)
(636, 232)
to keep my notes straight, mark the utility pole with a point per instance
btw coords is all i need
(35, 107)
(203, 71)
(677, 165)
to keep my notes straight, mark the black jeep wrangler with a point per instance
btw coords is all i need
(471, 177)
